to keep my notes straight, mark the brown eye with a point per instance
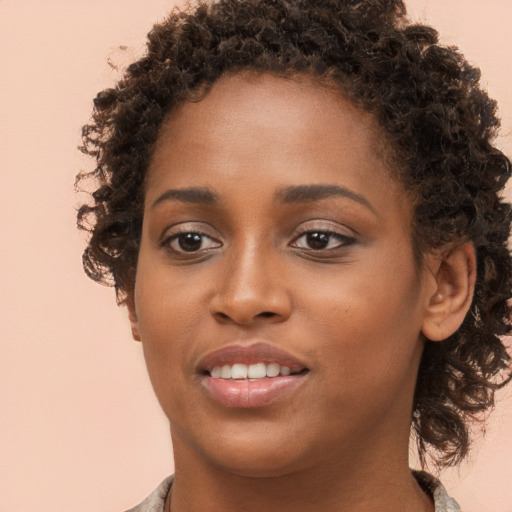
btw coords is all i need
(190, 242)
(317, 240)
(322, 240)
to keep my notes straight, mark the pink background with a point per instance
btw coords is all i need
(80, 428)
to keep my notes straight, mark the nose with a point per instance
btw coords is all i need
(251, 289)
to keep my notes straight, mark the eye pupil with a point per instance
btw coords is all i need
(190, 242)
(317, 240)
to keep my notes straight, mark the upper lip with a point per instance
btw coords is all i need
(256, 352)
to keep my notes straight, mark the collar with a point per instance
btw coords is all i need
(155, 502)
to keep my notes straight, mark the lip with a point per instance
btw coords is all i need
(258, 352)
(246, 393)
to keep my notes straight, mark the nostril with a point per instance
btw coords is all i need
(239, 318)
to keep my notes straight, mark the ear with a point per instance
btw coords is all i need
(132, 315)
(453, 274)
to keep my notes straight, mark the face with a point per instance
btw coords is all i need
(277, 295)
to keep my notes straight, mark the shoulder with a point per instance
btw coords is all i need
(433, 486)
(155, 502)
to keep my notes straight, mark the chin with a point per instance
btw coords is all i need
(259, 467)
(257, 456)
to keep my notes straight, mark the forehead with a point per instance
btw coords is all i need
(298, 99)
(249, 124)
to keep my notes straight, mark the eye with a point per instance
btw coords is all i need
(321, 240)
(190, 242)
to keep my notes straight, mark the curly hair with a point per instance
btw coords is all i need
(426, 99)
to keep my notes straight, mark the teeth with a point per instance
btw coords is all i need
(273, 370)
(285, 370)
(239, 371)
(225, 372)
(252, 371)
(257, 371)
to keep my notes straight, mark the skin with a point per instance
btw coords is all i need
(355, 312)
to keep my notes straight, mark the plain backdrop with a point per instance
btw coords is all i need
(80, 428)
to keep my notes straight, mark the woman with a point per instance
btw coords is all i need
(298, 202)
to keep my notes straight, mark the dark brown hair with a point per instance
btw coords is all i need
(428, 102)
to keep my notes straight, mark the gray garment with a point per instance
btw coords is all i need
(434, 488)
(155, 502)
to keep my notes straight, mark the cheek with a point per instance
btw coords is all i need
(168, 313)
(167, 307)
(369, 326)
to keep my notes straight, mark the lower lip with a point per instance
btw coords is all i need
(247, 394)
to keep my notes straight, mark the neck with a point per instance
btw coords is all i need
(350, 482)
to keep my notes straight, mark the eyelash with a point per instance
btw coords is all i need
(343, 240)
(168, 241)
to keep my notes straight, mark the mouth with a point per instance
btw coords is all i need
(252, 372)
(251, 376)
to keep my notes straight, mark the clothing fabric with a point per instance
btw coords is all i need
(155, 502)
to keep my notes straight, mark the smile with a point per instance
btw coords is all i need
(250, 372)
(251, 376)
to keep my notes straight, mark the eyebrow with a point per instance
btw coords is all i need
(309, 193)
(195, 195)
(291, 194)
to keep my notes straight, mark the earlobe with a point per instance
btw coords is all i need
(454, 274)
(132, 315)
